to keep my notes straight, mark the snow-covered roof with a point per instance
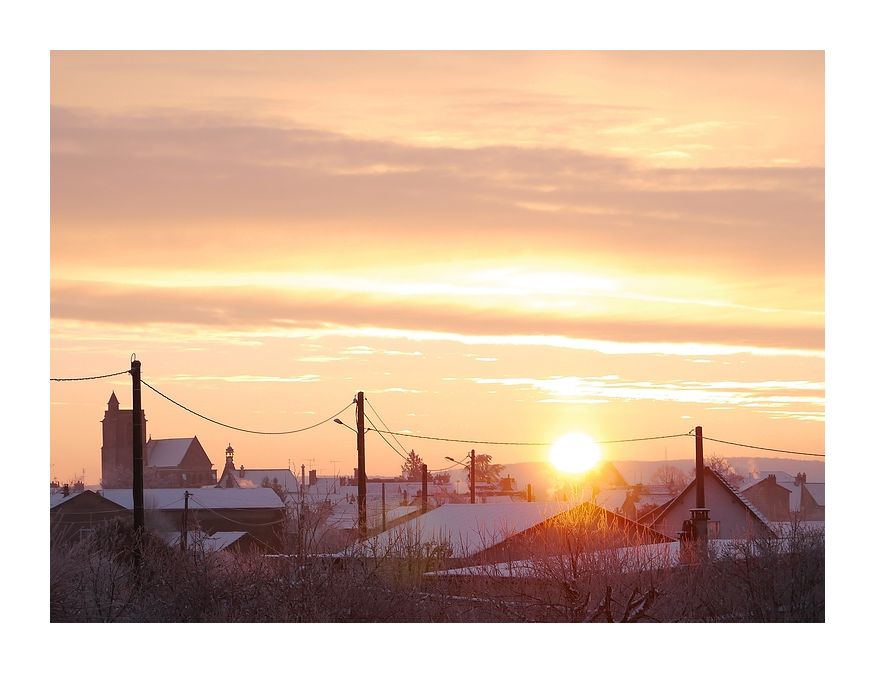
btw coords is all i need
(58, 497)
(167, 452)
(201, 498)
(468, 528)
(255, 478)
(653, 499)
(210, 543)
(345, 515)
(756, 512)
(626, 559)
(818, 492)
(780, 477)
(611, 499)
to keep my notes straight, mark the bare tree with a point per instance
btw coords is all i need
(671, 478)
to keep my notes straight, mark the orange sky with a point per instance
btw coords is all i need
(501, 246)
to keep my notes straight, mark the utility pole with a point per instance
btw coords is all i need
(424, 488)
(700, 464)
(139, 513)
(699, 515)
(183, 540)
(383, 494)
(473, 476)
(362, 479)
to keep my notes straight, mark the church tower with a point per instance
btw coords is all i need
(117, 452)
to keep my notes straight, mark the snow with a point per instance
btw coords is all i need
(255, 478)
(167, 452)
(633, 559)
(210, 543)
(611, 499)
(201, 498)
(57, 497)
(467, 528)
(818, 492)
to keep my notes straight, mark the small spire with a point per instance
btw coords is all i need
(229, 454)
(113, 401)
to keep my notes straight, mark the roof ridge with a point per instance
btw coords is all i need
(743, 498)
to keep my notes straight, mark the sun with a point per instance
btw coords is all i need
(575, 452)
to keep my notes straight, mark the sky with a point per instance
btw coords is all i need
(499, 246)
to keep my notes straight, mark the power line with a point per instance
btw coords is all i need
(232, 427)
(91, 378)
(764, 448)
(386, 440)
(479, 441)
(386, 425)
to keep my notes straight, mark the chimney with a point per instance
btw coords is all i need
(695, 529)
(66, 490)
(312, 477)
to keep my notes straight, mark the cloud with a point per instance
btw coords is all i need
(172, 181)
(251, 309)
(752, 394)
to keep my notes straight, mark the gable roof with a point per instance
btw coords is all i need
(611, 499)
(167, 452)
(722, 482)
(781, 484)
(469, 529)
(817, 490)
(201, 498)
(246, 478)
(210, 543)
(57, 498)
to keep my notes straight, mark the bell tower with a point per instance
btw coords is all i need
(117, 452)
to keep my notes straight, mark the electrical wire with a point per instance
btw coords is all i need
(764, 448)
(386, 425)
(232, 427)
(478, 441)
(242, 523)
(91, 378)
(405, 457)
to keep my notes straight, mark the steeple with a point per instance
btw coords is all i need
(229, 456)
(112, 405)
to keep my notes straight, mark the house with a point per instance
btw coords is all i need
(770, 497)
(281, 480)
(731, 515)
(73, 514)
(257, 511)
(180, 462)
(784, 497)
(227, 541)
(466, 534)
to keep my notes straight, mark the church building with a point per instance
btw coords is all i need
(167, 463)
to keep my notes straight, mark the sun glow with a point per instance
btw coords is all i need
(575, 452)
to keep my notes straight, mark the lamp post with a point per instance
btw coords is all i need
(472, 467)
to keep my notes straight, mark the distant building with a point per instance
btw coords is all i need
(784, 497)
(167, 463)
(465, 534)
(731, 515)
(256, 511)
(281, 480)
(73, 514)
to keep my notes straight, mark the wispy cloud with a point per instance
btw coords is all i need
(248, 378)
(752, 394)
